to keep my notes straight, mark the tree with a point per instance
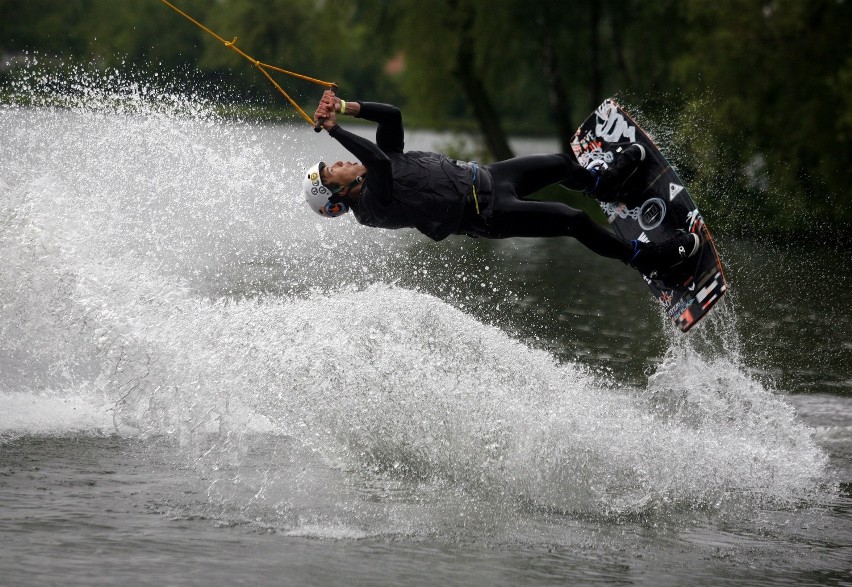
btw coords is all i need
(774, 79)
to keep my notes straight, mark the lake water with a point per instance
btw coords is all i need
(201, 382)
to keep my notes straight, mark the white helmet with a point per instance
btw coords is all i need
(321, 199)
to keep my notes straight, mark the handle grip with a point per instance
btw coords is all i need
(318, 125)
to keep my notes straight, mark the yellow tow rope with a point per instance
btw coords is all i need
(261, 66)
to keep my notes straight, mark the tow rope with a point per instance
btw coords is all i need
(261, 66)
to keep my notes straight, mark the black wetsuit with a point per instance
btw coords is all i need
(435, 194)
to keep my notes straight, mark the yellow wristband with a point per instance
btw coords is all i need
(343, 106)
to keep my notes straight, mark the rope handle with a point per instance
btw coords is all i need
(320, 121)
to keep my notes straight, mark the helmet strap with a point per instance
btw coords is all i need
(336, 191)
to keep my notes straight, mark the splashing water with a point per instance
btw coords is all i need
(156, 271)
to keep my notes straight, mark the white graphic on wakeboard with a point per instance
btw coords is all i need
(674, 190)
(611, 126)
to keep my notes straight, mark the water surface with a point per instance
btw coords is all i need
(202, 382)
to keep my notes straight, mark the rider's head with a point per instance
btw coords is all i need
(326, 187)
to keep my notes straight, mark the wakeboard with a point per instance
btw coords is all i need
(652, 206)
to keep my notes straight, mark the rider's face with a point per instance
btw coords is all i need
(342, 174)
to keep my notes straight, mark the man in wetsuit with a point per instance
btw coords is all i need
(391, 188)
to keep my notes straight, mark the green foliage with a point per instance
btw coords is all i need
(103, 30)
(752, 99)
(775, 76)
